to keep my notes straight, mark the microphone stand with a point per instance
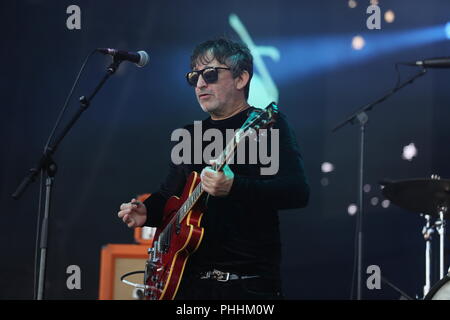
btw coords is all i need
(361, 117)
(47, 165)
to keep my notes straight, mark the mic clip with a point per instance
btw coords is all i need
(114, 65)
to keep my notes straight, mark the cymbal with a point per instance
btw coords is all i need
(419, 195)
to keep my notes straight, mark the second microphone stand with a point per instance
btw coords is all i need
(361, 118)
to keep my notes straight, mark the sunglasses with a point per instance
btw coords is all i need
(210, 75)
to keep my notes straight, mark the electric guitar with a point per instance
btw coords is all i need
(180, 233)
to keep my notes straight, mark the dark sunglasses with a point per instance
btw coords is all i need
(210, 75)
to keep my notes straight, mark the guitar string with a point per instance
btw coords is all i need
(182, 212)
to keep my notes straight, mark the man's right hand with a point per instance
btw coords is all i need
(133, 213)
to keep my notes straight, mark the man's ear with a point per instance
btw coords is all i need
(242, 80)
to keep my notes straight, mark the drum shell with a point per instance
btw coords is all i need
(441, 290)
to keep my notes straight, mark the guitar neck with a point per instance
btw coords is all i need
(220, 162)
(255, 121)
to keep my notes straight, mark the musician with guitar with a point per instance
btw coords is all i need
(217, 224)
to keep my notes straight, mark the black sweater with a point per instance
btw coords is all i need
(242, 229)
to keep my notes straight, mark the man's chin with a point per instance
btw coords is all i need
(206, 107)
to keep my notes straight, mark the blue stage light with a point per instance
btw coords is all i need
(304, 56)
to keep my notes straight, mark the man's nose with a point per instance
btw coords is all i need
(201, 83)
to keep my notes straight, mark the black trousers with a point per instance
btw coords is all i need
(194, 288)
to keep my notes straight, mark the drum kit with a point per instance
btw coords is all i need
(430, 198)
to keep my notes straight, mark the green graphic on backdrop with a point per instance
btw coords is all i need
(262, 88)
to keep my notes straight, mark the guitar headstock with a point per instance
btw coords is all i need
(261, 118)
(257, 119)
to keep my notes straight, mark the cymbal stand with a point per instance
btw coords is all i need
(440, 227)
(427, 232)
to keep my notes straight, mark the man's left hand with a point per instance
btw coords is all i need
(217, 184)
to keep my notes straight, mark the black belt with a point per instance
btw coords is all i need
(224, 276)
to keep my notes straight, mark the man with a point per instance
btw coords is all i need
(241, 242)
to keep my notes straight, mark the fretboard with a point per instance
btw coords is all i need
(220, 162)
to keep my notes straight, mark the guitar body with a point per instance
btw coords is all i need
(166, 263)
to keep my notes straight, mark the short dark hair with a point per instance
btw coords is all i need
(235, 55)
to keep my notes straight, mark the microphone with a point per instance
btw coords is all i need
(140, 58)
(431, 63)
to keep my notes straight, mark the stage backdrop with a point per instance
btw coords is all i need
(318, 59)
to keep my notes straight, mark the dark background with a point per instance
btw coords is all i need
(120, 145)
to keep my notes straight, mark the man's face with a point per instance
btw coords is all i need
(216, 97)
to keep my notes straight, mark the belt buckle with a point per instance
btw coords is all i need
(219, 275)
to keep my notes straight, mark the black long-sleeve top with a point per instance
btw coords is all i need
(242, 229)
